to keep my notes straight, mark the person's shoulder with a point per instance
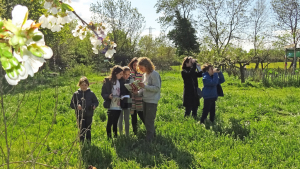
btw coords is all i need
(206, 75)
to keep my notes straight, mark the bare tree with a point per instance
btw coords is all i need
(222, 21)
(287, 15)
(124, 21)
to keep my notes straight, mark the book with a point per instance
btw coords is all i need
(133, 86)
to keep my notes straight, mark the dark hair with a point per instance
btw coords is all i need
(186, 60)
(147, 63)
(83, 80)
(114, 71)
(206, 67)
(133, 60)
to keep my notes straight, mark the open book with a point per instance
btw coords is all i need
(133, 86)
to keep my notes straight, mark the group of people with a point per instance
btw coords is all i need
(121, 101)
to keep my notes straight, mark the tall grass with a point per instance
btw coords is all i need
(256, 127)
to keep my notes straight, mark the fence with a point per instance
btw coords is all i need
(269, 77)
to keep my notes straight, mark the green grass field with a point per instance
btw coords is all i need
(256, 127)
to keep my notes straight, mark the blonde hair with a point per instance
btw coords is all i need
(83, 80)
(126, 68)
(147, 63)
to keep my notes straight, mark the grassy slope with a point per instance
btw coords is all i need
(256, 128)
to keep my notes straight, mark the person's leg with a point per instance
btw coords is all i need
(206, 109)
(88, 125)
(150, 112)
(120, 123)
(116, 115)
(134, 122)
(187, 111)
(109, 123)
(141, 115)
(212, 111)
(126, 119)
(194, 111)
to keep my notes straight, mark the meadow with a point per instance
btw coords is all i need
(256, 127)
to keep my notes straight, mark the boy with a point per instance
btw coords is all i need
(84, 101)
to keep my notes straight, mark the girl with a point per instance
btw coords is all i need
(126, 103)
(189, 75)
(111, 93)
(212, 78)
(84, 101)
(150, 90)
(137, 102)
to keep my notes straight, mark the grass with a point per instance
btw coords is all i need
(256, 127)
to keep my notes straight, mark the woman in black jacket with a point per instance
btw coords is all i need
(189, 76)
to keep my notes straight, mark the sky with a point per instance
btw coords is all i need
(145, 7)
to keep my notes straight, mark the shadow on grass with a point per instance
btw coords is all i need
(155, 153)
(235, 128)
(96, 156)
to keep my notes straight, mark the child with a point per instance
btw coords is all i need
(84, 101)
(126, 103)
(212, 78)
(111, 93)
(150, 90)
(137, 102)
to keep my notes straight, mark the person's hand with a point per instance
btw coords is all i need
(135, 91)
(193, 60)
(216, 70)
(79, 107)
(110, 96)
(142, 85)
(94, 107)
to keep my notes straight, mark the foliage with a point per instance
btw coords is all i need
(183, 36)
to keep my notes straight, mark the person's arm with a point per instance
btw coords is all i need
(199, 74)
(156, 83)
(95, 101)
(73, 103)
(211, 82)
(105, 92)
(221, 78)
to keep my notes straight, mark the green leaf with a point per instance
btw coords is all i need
(7, 54)
(5, 63)
(37, 38)
(36, 51)
(66, 7)
(10, 26)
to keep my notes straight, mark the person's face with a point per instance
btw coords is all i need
(134, 66)
(142, 68)
(119, 75)
(126, 75)
(211, 71)
(83, 86)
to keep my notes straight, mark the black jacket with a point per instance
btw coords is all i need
(106, 91)
(87, 99)
(189, 76)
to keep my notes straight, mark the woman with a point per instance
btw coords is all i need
(212, 80)
(189, 76)
(137, 102)
(150, 90)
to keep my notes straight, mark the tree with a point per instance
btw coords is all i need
(169, 8)
(259, 23)
(125, 23)
(183, 36)
(287, 15)
(222, 21)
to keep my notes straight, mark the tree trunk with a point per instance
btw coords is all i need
(262, 65)
(242, 71)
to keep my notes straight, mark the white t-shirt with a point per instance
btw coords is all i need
(115, 101)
